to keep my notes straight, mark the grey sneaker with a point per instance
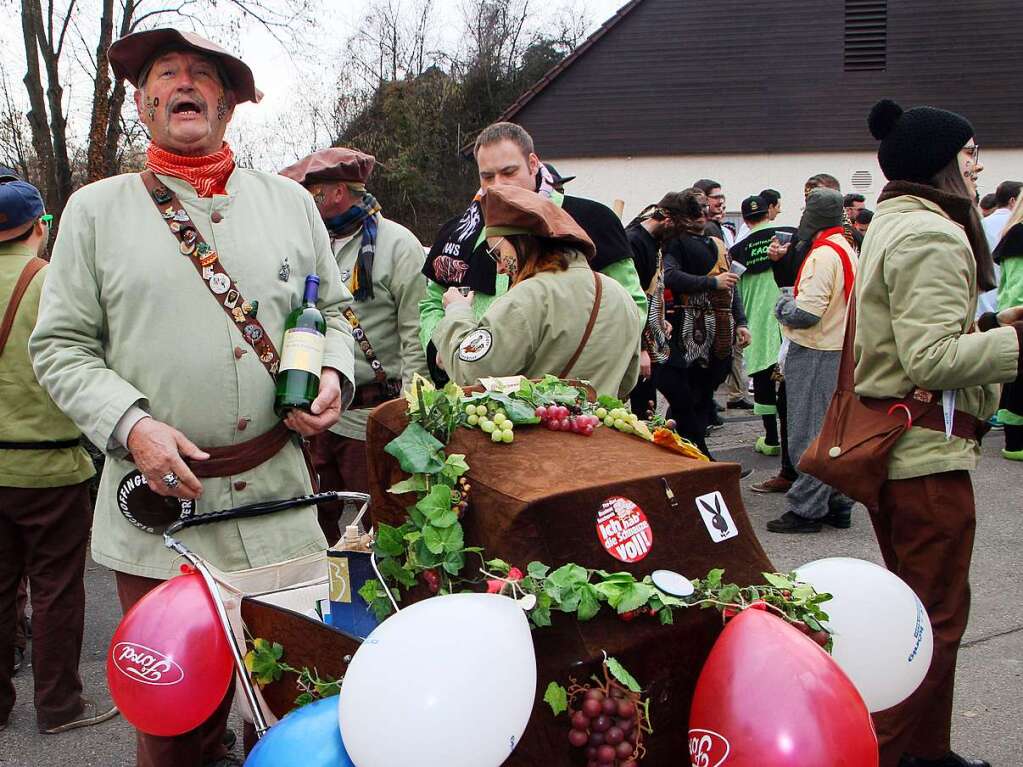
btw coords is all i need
(19, 659)
(92, 713)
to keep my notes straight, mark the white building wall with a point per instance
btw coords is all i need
(640, 181)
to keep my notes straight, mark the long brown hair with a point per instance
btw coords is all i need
(535, 254)
(950, 181)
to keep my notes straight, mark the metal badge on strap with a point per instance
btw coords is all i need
(367, 348)
(214, 276)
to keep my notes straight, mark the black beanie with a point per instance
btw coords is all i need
(917, 143)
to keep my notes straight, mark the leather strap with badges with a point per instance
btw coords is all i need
(207, 263)
(384, 388)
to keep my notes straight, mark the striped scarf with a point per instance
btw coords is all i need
(362, 214)
(207, 174)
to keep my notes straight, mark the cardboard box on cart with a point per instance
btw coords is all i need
(538, 499)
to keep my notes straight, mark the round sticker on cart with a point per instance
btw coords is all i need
(623, 529)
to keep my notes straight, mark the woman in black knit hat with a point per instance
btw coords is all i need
(923, 261)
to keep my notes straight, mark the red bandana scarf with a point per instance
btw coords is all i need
(207, 174)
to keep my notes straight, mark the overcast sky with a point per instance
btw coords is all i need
(287, 78)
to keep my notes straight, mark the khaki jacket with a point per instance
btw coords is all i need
(126, 320)
(916, 294)
(391, 318)
(535, 328)
(27, 414)
(821, 292)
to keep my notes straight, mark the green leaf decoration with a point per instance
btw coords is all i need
(417, 451)
(556, 697)
(498, 566)
(608, 402)
(778, 580)
(589, 606)
(435, 503)
(414, 484)
(391, 568)
(454, 562)
(569, 576)
(618, 672)
(389, 541)
(517, 411)
(666, 617)
(537, 570)
(714, 578)
(635, 596)
(454, 467)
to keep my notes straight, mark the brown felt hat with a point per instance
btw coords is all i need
(510, 210)
(348, 166)
(130, 55)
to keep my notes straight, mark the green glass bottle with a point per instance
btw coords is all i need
(298, 379)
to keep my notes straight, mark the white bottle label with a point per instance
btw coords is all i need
(302, 350)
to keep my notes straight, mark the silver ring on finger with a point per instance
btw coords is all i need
(170, 479)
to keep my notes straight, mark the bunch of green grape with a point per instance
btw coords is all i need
(618, 418)
(491, 420)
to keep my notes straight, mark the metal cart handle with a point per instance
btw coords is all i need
(263, 507)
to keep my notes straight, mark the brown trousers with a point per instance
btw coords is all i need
(342, 465)
(43, 536)
(196, 748)
(20, 635)
(925, 529)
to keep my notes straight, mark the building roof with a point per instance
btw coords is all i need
(670, 77)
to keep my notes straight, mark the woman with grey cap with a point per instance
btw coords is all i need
(812, 318)
(923, 261)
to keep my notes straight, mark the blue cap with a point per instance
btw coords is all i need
(20, 206)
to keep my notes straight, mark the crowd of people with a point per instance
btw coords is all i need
(139, 339)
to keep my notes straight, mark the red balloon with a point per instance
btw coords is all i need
(169, 663)
(768, 696)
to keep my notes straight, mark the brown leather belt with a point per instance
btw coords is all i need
(245, 456)
(964, 425)
(372, 394)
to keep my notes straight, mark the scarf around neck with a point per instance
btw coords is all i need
(458, 256)
(207, 174)
(958, 209)
(362, 215)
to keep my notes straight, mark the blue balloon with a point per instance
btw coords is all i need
(310, 736)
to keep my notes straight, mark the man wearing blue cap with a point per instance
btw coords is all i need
(45, 511)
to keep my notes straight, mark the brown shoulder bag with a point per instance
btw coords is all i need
(851, 451)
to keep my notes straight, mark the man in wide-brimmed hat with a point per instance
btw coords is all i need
(380, 262)
(159, 332)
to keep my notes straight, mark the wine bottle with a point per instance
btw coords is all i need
(298, 378)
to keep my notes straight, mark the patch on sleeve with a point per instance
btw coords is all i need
(475, 345)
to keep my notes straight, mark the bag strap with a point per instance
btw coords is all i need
(589, 326)
(216, 279)
(849, 277)
(30, 270)
(847, 366)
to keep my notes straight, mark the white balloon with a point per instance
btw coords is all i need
(882, 634)
(446, 682)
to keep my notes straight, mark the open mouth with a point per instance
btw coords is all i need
(187, 108)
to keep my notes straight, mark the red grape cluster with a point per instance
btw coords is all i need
(560, 418)
(608, 727)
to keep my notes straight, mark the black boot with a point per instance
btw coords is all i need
(790, 522)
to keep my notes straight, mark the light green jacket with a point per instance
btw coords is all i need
(431, 308)
(916, 292)
(391, 318)
(535, 328)
(27, 414)
(126, 319)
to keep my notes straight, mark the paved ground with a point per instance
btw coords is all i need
(990, 668)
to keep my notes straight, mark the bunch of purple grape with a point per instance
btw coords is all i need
(607, 725)
(561, 418)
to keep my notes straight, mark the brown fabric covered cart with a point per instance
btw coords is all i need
(537, 499)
